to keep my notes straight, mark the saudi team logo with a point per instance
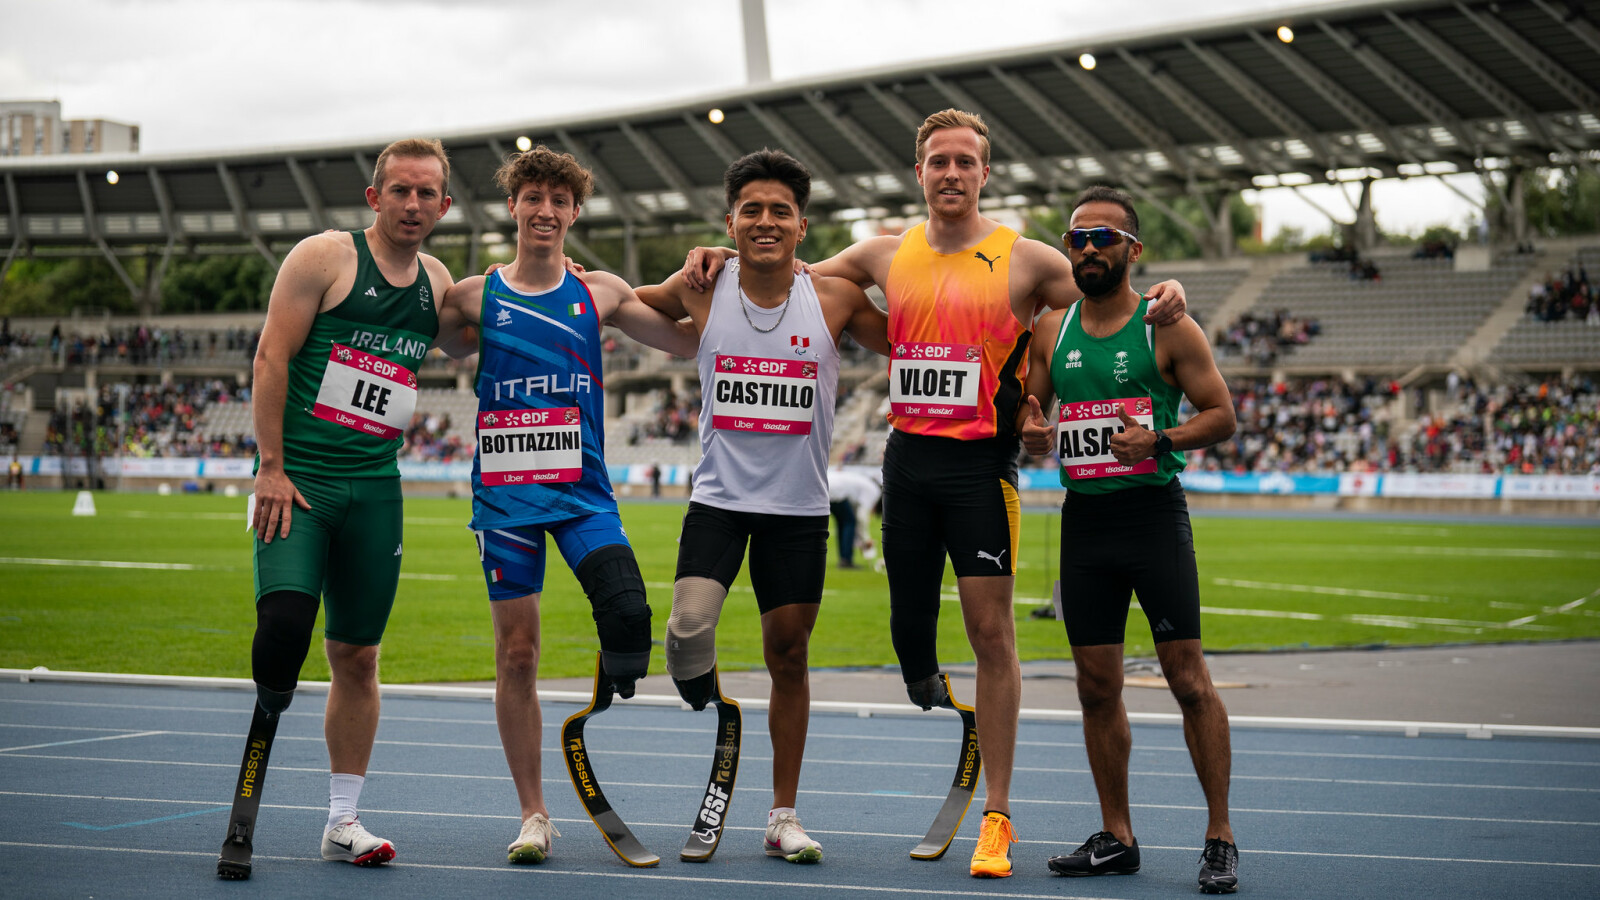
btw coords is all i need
(972, 354)
(344, 354)
(572, 417)
(1074, 359)
(1120, 370)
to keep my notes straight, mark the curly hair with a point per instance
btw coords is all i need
(541, 165)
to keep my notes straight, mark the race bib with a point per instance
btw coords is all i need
(935, 380)
(772, 396)
(1083, 437)
(365, 392)
(528, 446)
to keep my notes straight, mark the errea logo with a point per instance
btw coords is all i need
(1074, 359)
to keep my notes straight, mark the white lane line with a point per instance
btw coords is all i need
(145, 514)
(1290, 779)
(1462, 626)
(174, 567)
(1164, 807)
(815, 735)
(109, 737)
(1331, 591)
(1509, 552)
(1557, 610)
(767, 883)
(109, 564)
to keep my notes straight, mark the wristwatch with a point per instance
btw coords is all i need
(1163, 444)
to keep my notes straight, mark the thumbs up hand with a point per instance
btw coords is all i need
(1135, 442)
(1037, 436)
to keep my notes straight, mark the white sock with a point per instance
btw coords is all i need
(773, 815)
(344, 791)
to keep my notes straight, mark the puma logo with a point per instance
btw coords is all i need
(979, 255)
(992, 558)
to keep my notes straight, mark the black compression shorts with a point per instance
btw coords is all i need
(788, 554)
(945, 495)
(1132, 541)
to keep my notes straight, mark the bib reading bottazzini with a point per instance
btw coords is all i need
(352, 387)
(772, 396)
(525, 446)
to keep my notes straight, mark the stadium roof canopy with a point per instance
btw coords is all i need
(1364, 89)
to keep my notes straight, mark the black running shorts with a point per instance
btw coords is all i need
(1132, 541)
(947, 496)
(788, 554)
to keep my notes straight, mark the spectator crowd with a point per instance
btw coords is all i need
(148, 420)
(1260, 339)
(1569, 296)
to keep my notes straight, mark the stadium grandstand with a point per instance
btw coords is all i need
(1477, 358)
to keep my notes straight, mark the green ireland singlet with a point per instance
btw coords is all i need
(1094, 377)
(353, 385)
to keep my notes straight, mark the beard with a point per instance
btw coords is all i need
(1101, 281)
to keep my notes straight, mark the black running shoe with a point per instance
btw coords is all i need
(1219, 867)
(1101, 854)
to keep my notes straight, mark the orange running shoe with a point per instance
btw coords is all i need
(992, 859)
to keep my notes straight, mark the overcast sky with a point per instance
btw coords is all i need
(206, 75)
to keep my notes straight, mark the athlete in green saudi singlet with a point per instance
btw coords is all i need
(351, 317)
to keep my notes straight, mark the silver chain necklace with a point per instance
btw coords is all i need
(745, 299)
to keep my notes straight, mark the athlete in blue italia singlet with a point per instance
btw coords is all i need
(541, 437)
(540, 463)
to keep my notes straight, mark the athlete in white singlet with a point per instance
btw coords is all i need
(769, 365)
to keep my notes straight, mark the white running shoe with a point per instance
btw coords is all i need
(787, 839)
(350, 842)
(533, 844)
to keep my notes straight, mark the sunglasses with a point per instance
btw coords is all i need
(1101, 238)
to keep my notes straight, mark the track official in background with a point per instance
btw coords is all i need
(851, 498)
(1125, 522)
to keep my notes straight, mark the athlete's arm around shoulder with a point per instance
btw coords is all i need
(618, 305)
(1184, 356)
(457, 337)
(307, 283)
(675, 299)
(1033, 423)
(459, 317)
(1050, 273)
(848, 308)
(864, 263)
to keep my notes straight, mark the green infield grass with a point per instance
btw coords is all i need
(70, 600)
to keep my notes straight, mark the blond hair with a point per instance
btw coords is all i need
(953, 118)
(541, 165)
(412, 148)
